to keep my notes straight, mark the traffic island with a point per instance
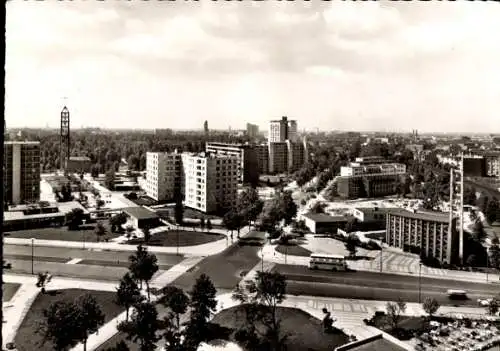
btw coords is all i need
(302, 330)
(28, 338)
(181, 238)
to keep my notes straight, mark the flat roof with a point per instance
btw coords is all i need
(140, 212)
(379, 344)
(368, 210)
(15, 142)
(326, 218)
(421, 214)
(19, 216)
(79, 158)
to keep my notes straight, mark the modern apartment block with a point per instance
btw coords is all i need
(21, 167)
(492, 159)
(252, 130)
(278, 157)
(428, 233)
(211, 181)
(357, 169)
(248, 171)
(262, 153)
(163, 175)
(368, 185)
(281, 130)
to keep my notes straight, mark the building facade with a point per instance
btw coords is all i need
(357, 169)
(211, 181)
(252, 130)
(278, 157)
(248, 171)
(164, 175)
(425, 232)
(21, 167)
(368, 185)
(262, 154)
(281, 130)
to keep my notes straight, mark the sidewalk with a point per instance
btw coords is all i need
(271, 255)
(207, 249)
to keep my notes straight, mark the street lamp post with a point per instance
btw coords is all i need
(381, 253)
(420, 283)
(177, 242)
(32, 255)
(487, 266)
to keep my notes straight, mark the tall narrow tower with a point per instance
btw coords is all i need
(457, 204)
(64, 136)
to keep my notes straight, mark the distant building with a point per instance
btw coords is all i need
(368, 185)
(474, 166)
(356, 169)
(278, 157)
(211, 181)
(248, 171)
(163, 175)
(252, 130)
(323, 223)
(371, 218)
(282, 130)
(428, 233)
(78, 164)
(205, 127)
(262, 153)
(21, 167)
(142, 217)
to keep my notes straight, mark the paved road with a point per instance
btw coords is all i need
(374, 286)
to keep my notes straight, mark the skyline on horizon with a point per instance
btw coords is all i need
(175, 65)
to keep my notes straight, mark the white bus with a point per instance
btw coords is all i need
(327, 262)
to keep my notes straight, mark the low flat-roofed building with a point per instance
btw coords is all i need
(379, 342)
(40, 216)
(319, 223)
(371, 218)
(142, 217)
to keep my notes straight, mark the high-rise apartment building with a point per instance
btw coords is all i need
(163, 175)
(278, 157)
(21, 167)
(262, 153)
(248, 171)
(281, 130)
(211, 181)
(252, 130)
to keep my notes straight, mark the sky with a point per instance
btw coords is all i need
(341, 65)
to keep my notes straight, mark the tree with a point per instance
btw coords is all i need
(128, 293)
(42, 280)
(202, 304)
(266, 292)
(129, 230)
(94, 171)
(90, 317)
(99, 203)
(209, 225)
(179, 210)
(143, 326)
(119, 346)
(176, 301)
(494, 253)
(74, 218)
(493, 306)
(318, 208)
(233, 220)
(147, 234)
(286, 206)
(249, 204)
(394, 311)
(491, 211)
(202, 223)
(117, 221)
(351, 244)
(430, 306)
(478, 230)
(143, 266)
(109, 181)
(100, 231)
(59, 324)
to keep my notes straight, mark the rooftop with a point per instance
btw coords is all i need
(369, 210)
(326, 218)
(140, 212)
(14, 142)
(375, 343)
(80, 158)
(421, 214)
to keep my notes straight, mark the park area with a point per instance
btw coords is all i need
(27, 338)
(85, 232)
(179, 238)
(303, 331)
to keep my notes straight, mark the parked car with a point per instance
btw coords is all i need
(484, 302)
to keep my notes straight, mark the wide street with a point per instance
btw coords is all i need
(376, 286)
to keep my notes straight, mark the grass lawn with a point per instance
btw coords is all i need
(84, 233)
(293, 250)
(28, 340)
(9, 290)
(183, 237)
(304, 331)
